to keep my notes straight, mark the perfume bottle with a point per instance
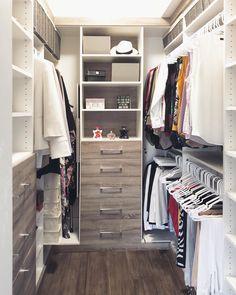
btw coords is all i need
(124, 133)
(97, 133)
(111, 135)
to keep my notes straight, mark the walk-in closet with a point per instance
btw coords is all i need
(118, 147)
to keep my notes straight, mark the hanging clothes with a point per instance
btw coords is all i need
(157, 108)
(206, 101)
(170, 94)
(68, 167)
(50, 125)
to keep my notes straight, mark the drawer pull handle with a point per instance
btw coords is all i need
(24, 235)
(24, 270)
(16, 255)
(107, 211)
(110, 234)
(25, 184)
(110, 169)
(110, 189)
(111, 152)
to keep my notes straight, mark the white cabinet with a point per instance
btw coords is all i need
(230, 147)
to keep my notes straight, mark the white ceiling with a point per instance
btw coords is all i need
(107, 9)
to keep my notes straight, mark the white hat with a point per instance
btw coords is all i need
(124, 47)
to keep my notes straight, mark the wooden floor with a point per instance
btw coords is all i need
(113, 272)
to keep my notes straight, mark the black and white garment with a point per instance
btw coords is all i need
(182, 238)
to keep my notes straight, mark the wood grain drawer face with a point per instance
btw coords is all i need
(23, 220)
(19, 256)
(24, 282)
(115, 208)
(24, 175)
(109, 187)
(111, 150)
(108, 168)
(106, 232)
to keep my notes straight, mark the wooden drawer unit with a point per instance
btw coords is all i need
(110, 232)
(111, 150)
(111, 167)
(110, 193)
(24, 222)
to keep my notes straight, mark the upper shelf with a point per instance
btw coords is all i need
(211, 11)
(110, 58)
(174, 43)
(19, 32)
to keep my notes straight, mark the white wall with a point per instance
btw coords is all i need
(69, 64)
(5, 149)
(153, 55)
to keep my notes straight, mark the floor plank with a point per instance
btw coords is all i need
(113, 272)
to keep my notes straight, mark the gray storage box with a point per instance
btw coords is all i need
(96, 44)
(125, 72)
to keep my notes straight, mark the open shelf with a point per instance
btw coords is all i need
(90, 139)
(110, 83)
(231, 108)
(232, 196)
(231, 154)
(209, 13)
(21, 114)
(19, 157)
(113, 110)
(210, 159)
(231, 21)
(232, 239)
(20, 73)
(19, 32)
(110, 58)
(230, 65)
(74, 240)
(232, 282)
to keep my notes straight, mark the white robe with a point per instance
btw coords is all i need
(50, 125)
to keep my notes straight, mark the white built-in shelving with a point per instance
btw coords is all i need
(22, 73)
(110, 89)
(230, 148)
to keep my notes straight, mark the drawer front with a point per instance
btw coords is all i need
(25, 281)
(23, 220)
(109, 187)
(115, 208)
(111, 232)
(105, 168)
(111, 150)
(19, 256)
(24, 176)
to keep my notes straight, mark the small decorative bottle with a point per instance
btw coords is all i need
(111, 135)
(124, 133)
(97, 133)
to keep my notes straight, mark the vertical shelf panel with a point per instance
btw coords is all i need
(230, 149)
